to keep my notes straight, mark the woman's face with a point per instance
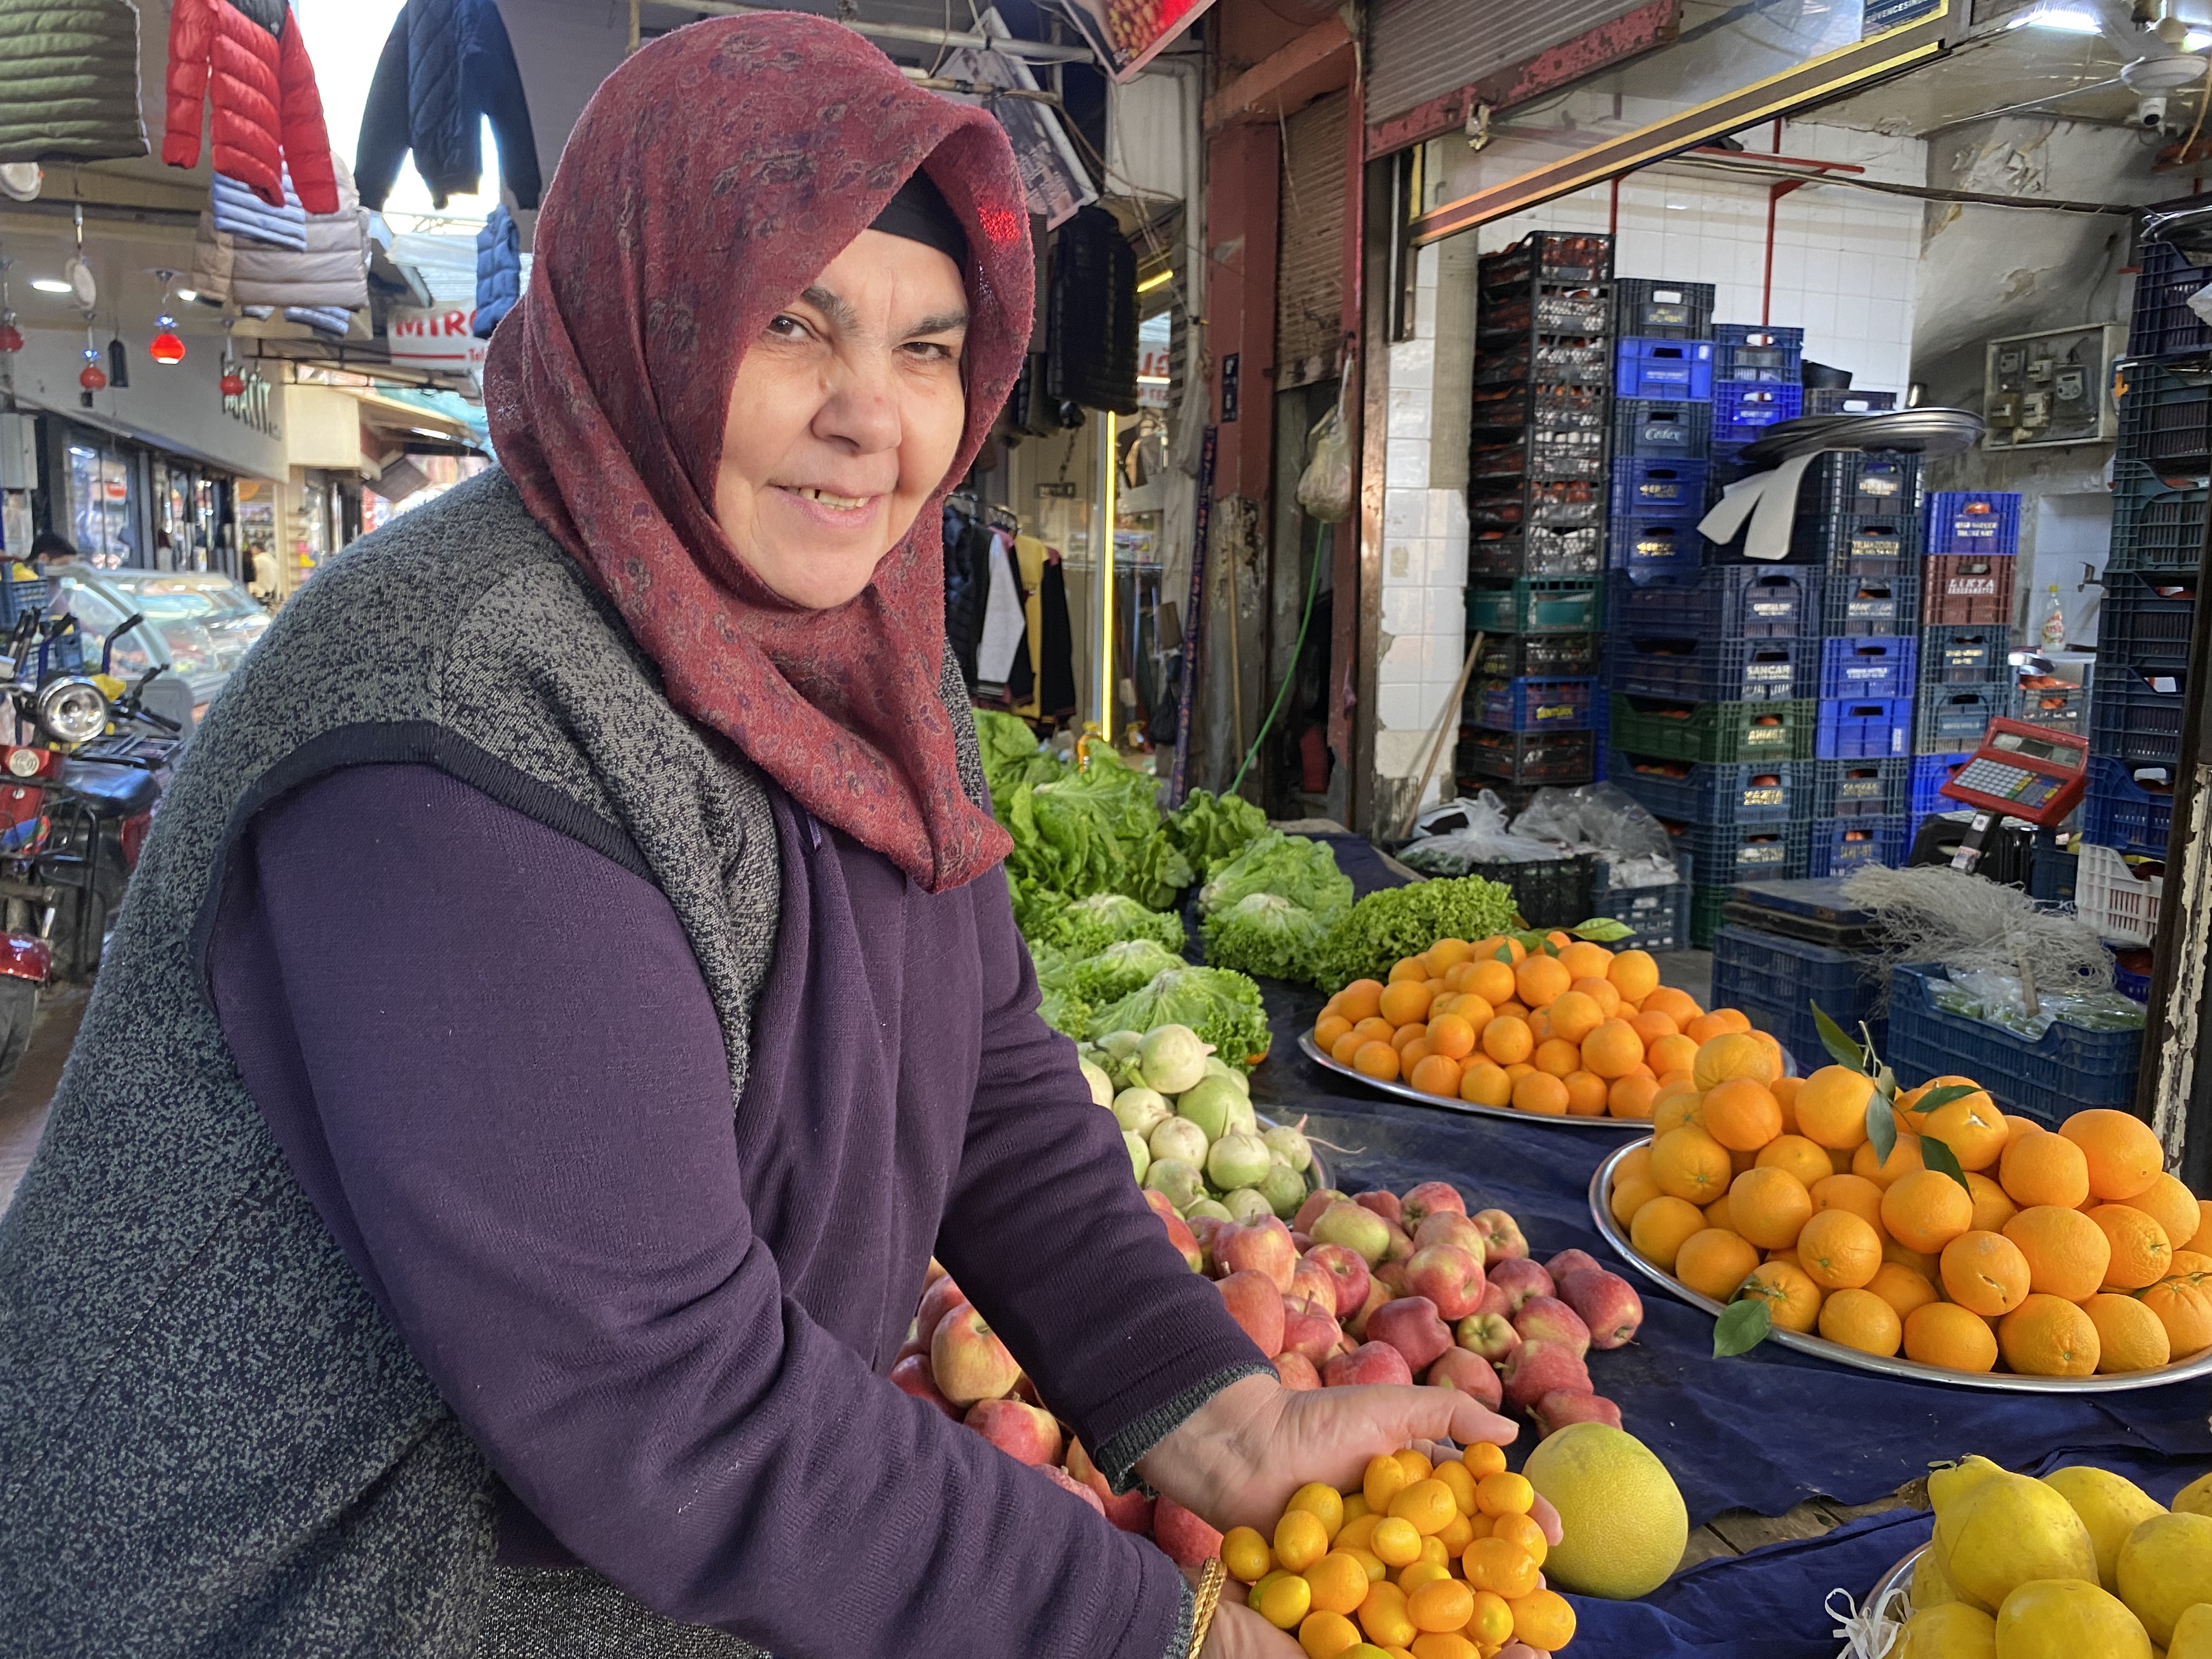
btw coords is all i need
(845, 418)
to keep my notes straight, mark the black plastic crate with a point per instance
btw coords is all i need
(2048, 1079)
(1959, 588)
(1662, 309)
(1879, 482)
(1867, 665)
(1862, 728)
(1720, 602)
(1722, 854)
(1520, 757)
(1714, 732)
(1732, 791)
(1657, 429)
(1510, 656)
(1539, 456)
(1869, 605)
(1519, 407)
(1861, 788)
(1758, 352)
(1564, 504)
(1658, 489)
(1776, 979)
(2137, 718)
(2162, 325)
(1534, 703)
(1547, 256)
(1836, 846)
(1972, 654)
(2158, 521)
(2131, 814)
(1714, 670)
(2049, 702)
(1856, 541)
(2146, 618)
(1545, 359)
(1669, 546)
(1659, 917)
(2166, 413)
(1547, 892)
(1538, 550)
(1576, 310)
(1842, 401)
(1951, 718)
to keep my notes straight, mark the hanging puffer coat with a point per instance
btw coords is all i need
(242, 213)
(70, 91)
(499, 270)
(268, 115)
(333, 270)
(445, 66)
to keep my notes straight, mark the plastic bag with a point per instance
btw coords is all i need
(1998, 1000)
(1455, 836)
(1325, 487)
(1601, 817)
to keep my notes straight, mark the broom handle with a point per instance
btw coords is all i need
(1444, 724)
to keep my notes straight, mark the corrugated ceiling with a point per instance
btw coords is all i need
(1423, 49)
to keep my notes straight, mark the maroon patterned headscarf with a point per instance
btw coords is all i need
(710, 179)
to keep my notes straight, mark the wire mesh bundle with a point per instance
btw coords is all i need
(1970, 925)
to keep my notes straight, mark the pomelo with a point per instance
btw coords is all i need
(1624, 1522)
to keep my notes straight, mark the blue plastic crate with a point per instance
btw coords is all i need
(19, 596)
(1741, 411)
(1719, 602)
(1658, 489)
(1972, 521)
(1868, 665)
(1776, 979)
(1861, 788)
(1867, 480)
(2049, 1079)
(1645, 367)
(2118, 812)
(1862, 728)
(1951, 718)
(1758, 351)
(2135, 718)
(1713, 671)
(1531, 703)
(1870, 604)
(2147, 618)
(2166, 413)
(1660, 308)
(1660, 429)
(1728, 792)
(1972, 653)
(2158, 519)
(1659, 915)
(1929, 774)
(1722, 854)
(1857, 541)
(2161, 324)
(1838, 846)
(1669, 546)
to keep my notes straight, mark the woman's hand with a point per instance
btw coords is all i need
(1238, 1633)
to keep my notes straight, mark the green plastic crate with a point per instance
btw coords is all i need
(1535, 604)
(1706, 920)
(1713, 733)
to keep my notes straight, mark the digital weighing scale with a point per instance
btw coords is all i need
(2019, 771)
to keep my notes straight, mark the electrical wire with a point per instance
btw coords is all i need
(1297, 655)
(2204, 98)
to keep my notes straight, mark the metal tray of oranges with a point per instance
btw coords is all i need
(1406, 1092)
(2183, 1371)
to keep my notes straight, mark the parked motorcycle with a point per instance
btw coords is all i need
(80, 778)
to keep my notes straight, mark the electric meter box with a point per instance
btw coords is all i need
(2056, 387)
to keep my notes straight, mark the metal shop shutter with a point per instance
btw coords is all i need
(1423, 49)
(1309, 265)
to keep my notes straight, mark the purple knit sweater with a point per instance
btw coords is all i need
(492, 1063)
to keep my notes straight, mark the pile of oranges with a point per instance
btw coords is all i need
(1420, 1561)
(1587, 1032)
(2067, 1252)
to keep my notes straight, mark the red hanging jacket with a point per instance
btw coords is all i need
(267, 111)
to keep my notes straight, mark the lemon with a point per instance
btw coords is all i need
(2192, 1633)
(2006, 1530)
(2111, 1507)
(2165, 1567)
(1624, 1517)
(2068, 1618)
(1947, 1486)
(1954, 1631)
(2196, 1498)
(1931, 1582)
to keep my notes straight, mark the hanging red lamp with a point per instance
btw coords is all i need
(233, 384)
(92, 377)
(165, 347)
(11, 337)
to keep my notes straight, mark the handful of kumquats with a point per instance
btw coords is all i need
(1421, 1561)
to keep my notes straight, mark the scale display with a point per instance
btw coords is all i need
(2023, 771)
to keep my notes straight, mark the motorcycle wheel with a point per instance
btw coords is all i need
(19, 1007)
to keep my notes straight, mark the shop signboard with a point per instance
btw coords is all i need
(1127, 35)
(1052, 179)
(437, 338)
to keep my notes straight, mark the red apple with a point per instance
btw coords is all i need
(1494, 1297)
(1068, 1483)
(1311, 1280)
(968, 1362)
(1455, 1368)
(1570, 1261)
(1183, 1537)
(1297, 1372)
(1392, 1273)
(1503, 1236)
(907, 1349)
(1547, 1319)
(1490, 1334)
(1536, 1368)
(1522, 1279)
(1378, 1293)
(1410, 1325)
(1346, 1273)
(1179, 1233)
(911, 1376)
(1132, 1512)
(1371, 1361)
(1205, 1229)
(1449, 1227)
(1264, 1247)
(1026, 1390)
(1023, 1433)
(1608, 1306)
(934, 1272)
(1400, 1245)
(1308, 1330)
(1384, 1204)
(939, 1299)
(1303, 1241)
(1558, 1409)
(1429, 1197)
(1449, 1277)
(1255, 1304)
(1309, 1211)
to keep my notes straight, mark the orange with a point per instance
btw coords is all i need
(1993, 1206)
(1447, 954)
(1849, 1192)
(1688, 1163)
(1908, 1101)
(1793, 1300)
(1943, 1334)
(2173, 1206)
(1501, 1492)
(1558, 1056)
(1437, 1075)
(1456, 975)
(1440, 1644)
(1733, 1055)
(1475, 1010)
(1416, 1464)
(1660, 1226)
(2066, 1254)
(2202, 1244)
(1972, 1127)
(2125, 1156)
(1406, 1035)
(1409, 970)
(1769, 1207)
(1383, 1616)
(1283, 1601)
(1790, 1256)
(2183, 1305)
(1446, 1605)
(1412, 1053)
(1461, 1479)
(1585, 959)
(1482, 1083)
(1491, 980)
(1675, 1104)
(1405, 1001)
(1715, 1263)
(1543, 1619)
(1357, 1531)
(1376, 1060)
(1301, 1539)
(1739, 1162)
(1499, 1565)
(1903, 1158)
(1598, 990)
(2021, 1125)
(2140, 1250)
(1326, 1635)
(1839, 1249)
(1427, 1504)
(1831, 1107)
(1506, 1039)
(1673, 1054)
(1338, 1582)
(1541, 1093)
(1586, 1094)
(1348, 1045)
(1614, 1049)
(1631, 1097)
(1423, 1572)
(1452, 1036)
(1902, 1288)
(2129, 1337)
(1927, 1266)
(1517, 1070)
(1540, 1025)
(1327, 1029)
(1631, 1193)
(1360, 1000)
(1521, 1529)
(1382, 1479)
(1678, 1006)
(1575, 1015)
(1633, 973)
(1484, 1458)
(2048, 1336)
(1985, 1273)
(1435, 987)
(1539, 979)
(1376, 1029)
(1741, 1112)
(1246, 1556)
(1396, 1541)
(1491, 1627)
(1925, 1211)
(1862, 1320)
(1717, 1215)
(1734, 1020)
(1786, 1090)
(1651, 1025)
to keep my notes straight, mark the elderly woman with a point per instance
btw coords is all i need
(571, 992)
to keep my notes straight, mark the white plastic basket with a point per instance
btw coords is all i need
(2122, 906)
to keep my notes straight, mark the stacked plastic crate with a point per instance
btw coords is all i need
(1966, 676)
(1536, 512)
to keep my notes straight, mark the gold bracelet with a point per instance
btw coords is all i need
(1208, 1599)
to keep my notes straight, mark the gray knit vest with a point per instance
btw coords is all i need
(212, 1442)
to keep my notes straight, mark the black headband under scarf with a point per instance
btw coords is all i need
(919, 214)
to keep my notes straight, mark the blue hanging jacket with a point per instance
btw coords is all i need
(445, 66)
(499, 269)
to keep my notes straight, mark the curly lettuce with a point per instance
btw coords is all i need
(1289, 866)
(1222, 1006)
(1011, 754)
(1401, 921)
(1112, 973)
(1087, 925)
(1097, 830)
(1210, 829)
(1264, 933)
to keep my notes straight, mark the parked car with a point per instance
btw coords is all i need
(200, 625)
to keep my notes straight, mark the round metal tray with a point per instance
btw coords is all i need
(1821, 1348)
(1899, 1577)
(1927, 431)
(1312, 1052)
